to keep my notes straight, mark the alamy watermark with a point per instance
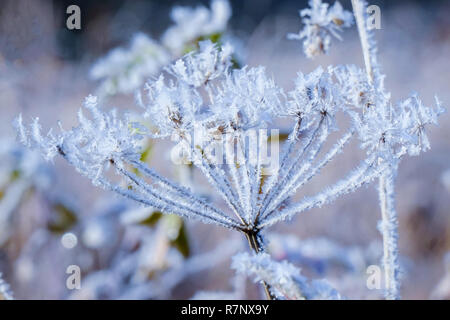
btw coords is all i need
(74, 279)
(255, 146)
(73, 282)
(374, 277)
(74, 19)
(374, 17)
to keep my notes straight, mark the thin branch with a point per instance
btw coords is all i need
(362, 175)
(389, 230)
(180, 191)
(170, 206)
(219, 181)
(298, 169)
(390, 257)
(286, 178)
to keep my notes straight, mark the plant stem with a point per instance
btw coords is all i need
(390, 234)
(358, 11)
(386, 188)
(254, 243)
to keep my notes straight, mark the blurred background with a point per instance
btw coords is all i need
(51, 217)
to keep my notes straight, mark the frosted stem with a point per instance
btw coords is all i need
(256, 245)
(386, 184)
(368, 43)
(388, 228)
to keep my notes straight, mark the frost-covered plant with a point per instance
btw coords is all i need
(206, 95)
(125, 70)
(284, 278)
(392, 130)
(220, 117)
(321, 22)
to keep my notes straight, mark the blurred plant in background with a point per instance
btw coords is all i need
(4, 290)
(320, 23)
(126, 70)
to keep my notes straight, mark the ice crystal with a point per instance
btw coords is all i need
(398, 129)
